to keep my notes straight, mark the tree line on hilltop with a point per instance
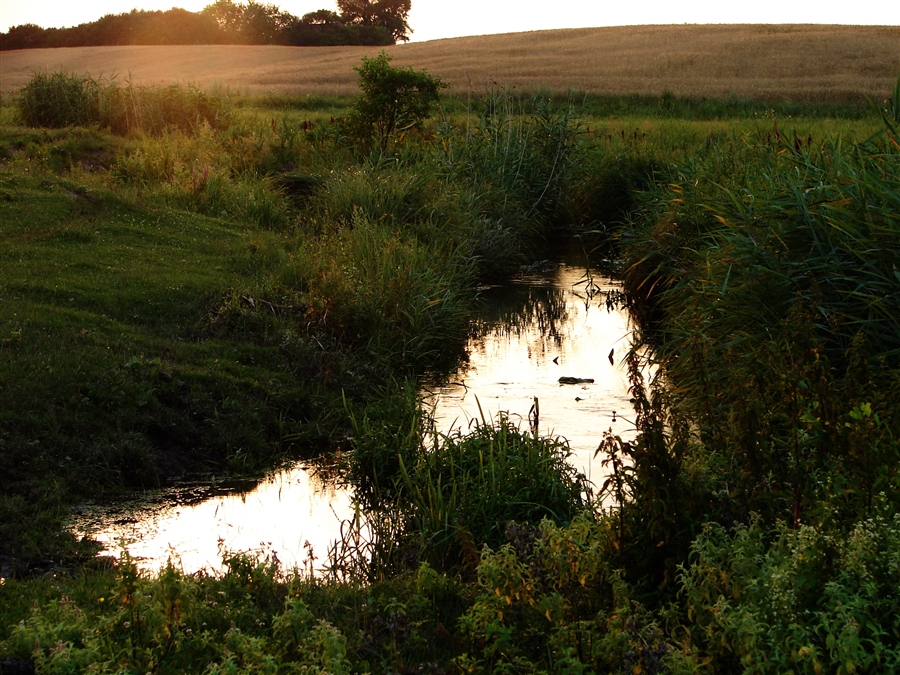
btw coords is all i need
(357, 22)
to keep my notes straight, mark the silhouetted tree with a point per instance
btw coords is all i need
(390, 14)
(252, 22)
(226, 21)
(265, 24)
(177, 27)
(322, 17)
(228, 15)
(26, 36)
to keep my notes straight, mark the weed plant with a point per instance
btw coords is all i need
(806, 600)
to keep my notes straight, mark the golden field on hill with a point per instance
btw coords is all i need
(808, 62)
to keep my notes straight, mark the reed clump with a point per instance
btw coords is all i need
(769, 289)
(60, 99)
(463, 490)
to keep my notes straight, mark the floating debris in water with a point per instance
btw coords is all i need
(576, 380)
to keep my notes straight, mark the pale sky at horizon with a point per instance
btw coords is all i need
(435, 19)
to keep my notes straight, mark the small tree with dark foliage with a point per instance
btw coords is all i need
(393, 100)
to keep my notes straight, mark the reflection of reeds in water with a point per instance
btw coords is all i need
(512, 310)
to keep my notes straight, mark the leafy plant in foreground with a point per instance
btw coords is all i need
(801, 600)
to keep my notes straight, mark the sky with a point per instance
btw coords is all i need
(435, 19)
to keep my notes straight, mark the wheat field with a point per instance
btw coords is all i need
(777, 62)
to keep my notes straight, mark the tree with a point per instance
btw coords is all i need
(228, 15)
(393, 99)
(253, 22)
(390, 14)
(264, 24)
(321, 17)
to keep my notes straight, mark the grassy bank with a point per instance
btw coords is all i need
(181, 297)
(222, 298)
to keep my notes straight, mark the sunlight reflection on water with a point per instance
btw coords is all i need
(290, 513)
(523, 358)
(531, 333)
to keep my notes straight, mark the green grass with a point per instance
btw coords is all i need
(116, 372)
(177, 303)
(226, 297)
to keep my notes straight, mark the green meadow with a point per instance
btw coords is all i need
(198, 284)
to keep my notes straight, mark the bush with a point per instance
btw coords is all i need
(808, 602)
(393, 100)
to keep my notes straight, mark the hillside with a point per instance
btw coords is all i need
(763, 61)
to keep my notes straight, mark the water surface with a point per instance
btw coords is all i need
(531, 333)
(528, 334)
(294, 514)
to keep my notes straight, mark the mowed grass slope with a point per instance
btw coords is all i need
(778, 62)
(112, 353)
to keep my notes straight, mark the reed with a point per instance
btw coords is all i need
(462, 491)
(401, 302)
(61, 99)
(777, 316)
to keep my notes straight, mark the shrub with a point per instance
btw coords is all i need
(393, 100)
(549, 601)
(808, 602)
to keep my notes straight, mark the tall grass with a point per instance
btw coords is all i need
(61, 99)
(400, 301)
(462, 492)
(772, 268)
(443, 498)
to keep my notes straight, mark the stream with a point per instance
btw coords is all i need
(529, 333)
